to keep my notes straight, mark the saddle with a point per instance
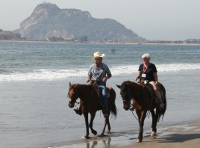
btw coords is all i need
(97, 90)
(150, 90)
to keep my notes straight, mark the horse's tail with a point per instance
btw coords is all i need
(114, 110)
(113, 107)
(163, 94)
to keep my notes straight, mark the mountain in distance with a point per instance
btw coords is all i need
(48, 20)
(8, 35)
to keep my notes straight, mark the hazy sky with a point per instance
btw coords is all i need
(151, 19)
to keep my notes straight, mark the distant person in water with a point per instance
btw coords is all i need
(100, 73)
(147, 71)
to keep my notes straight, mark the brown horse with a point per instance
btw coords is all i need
(90, 103)
(143, 101)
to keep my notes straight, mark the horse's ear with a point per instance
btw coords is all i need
(70, 84)
(118, 86)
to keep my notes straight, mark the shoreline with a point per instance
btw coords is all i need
(125, 43)
(186, 135)
(180, 135)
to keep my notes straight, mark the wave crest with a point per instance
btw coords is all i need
(56, 74)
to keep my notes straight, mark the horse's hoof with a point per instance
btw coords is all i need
(85, 137)
(102, 135)
(153, 134)
(139, 141)
(94, 132)
(109, 132)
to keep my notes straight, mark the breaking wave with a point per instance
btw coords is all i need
(56, 74)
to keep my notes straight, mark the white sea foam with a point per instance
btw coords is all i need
(55, 74)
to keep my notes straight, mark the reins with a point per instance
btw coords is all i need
(134, 115)
(83, 100)
(147, 113)
(129, 95)
(88, 97)
(129, 102)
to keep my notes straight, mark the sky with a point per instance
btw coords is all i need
(150, 19)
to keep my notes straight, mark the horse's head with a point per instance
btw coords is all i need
(126, 95)
(72, 94)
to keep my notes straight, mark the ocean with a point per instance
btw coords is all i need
(34, 80)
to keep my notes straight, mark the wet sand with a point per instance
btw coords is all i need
(183, 136)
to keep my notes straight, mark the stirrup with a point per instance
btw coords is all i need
(161, 106)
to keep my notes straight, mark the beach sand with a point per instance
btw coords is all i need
(183, 136)
(179, 136)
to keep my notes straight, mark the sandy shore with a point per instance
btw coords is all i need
(180, 136)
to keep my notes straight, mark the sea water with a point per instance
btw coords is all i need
(34, 81)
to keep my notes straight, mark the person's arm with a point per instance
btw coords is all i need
(106, 78)
(155, 74)
(138, 76)
(109, 75)
(89, 74)
(156, 77)
(88, 79)
(139, 72)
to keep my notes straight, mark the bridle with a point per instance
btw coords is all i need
(75, 97)
(129, 99)
(129, 95)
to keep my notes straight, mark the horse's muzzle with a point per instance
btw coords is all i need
(126, 106)
(70, 104)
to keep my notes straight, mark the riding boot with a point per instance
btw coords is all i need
(161, 106)
(104, 111)
(78, 110)
(159, 100)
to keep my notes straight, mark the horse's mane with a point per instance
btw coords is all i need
(77, 84)
(81, 85)
(132, 84)
(129, 82)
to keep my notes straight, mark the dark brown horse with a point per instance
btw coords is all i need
(142, 102)
(90, 103)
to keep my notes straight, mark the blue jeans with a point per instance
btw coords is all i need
(102, 87)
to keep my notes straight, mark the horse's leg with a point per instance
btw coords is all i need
(109, 127)
(91, 123)
(86, 125)
(153, 125)
(156, 120)
(108, 122)
(105, 123)
(141, 117)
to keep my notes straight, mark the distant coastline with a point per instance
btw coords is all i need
(134, 43)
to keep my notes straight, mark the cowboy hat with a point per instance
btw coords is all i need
(98, 55)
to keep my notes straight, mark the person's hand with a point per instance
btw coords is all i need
(136, 78)
(88, 80)
(156, 82)
(104, 79)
